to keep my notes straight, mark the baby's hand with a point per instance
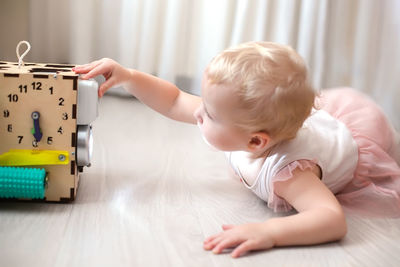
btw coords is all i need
(246, 237)
(113, 73)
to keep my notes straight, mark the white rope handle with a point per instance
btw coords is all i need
(20, 61)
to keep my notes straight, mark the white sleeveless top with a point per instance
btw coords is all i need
(323, 140)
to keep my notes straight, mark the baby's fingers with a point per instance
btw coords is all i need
(106, 85)
(99, 69)
(243, 248)
(212, 243)
(86, 67)
(212, 237)
(226, 243)
(227, 226)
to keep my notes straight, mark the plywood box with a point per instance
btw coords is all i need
(50, 90)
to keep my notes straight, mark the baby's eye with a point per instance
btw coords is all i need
(208, 115)
(206, 111)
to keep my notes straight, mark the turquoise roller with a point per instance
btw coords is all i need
(16, 182)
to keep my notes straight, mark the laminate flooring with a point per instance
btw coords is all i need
(154, 192)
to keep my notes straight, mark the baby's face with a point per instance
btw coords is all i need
(216, 116)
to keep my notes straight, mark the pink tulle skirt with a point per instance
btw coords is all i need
(375, 188)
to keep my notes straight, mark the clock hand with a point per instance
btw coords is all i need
(36, 128)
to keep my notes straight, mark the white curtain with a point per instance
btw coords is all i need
(344, 42)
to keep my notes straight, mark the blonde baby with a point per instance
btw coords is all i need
(294, 149)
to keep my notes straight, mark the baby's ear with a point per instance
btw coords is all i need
(258, 142)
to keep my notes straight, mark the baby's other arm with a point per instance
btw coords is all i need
(157, 93)
(320, 219)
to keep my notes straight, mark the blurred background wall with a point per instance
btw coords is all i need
(344, 42)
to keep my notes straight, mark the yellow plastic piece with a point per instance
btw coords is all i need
(26, 157)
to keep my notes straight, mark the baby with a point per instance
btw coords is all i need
(291, 147)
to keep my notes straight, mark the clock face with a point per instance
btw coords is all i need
(38, 111)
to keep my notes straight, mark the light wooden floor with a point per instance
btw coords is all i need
(152, 195)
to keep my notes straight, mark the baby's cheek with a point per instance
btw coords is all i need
(220, 141)
(208, 138)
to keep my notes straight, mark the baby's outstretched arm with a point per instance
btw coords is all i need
(158, 94)
(320, 219)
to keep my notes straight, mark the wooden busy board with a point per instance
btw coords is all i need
(51, 91)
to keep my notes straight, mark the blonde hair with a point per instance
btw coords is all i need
(272, 85)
